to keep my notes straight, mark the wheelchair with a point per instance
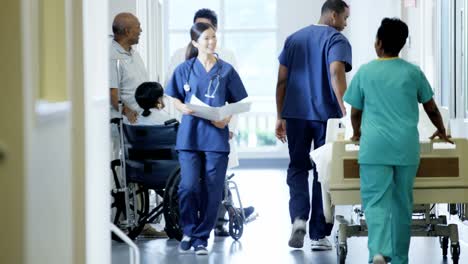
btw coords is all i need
(148, 161)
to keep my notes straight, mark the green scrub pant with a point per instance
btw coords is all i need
(387, 200)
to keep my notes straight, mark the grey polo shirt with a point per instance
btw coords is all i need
(131, 74)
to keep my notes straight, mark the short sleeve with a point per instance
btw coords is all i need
(113, 76)
(354, 95)
(235, 88)
(175, 86)
(283, 57)
(425, 92)
(340, 50)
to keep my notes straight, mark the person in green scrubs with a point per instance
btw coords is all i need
(384, 95)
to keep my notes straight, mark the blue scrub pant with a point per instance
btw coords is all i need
(200, 192)
(300, 135)
(387, 200)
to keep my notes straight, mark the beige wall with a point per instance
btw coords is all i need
(52, 51)
(11, 113)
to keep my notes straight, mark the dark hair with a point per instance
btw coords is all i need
(208, 14)
(195, 33)
(393, 33)
(147, 95)
(338, 6)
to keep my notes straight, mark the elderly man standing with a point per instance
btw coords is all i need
(131, 71)
(126, 72)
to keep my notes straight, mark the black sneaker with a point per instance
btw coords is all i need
(201, 250)
(221, 231)
(185, 244)
(250, 214)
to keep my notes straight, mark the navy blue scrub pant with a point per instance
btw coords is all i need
(300, 135)
(200, 192)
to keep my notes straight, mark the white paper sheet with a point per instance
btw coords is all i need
(205, 111)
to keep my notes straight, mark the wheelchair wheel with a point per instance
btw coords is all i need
(236, 223)
(138, 200)
(171, 206)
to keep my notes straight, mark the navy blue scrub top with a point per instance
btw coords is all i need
(196, 133)
(308, 54)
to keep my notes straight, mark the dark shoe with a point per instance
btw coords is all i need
(185, 244)
(250, 214)
(201, 250)
(221, 231)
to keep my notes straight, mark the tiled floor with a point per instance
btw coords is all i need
(265, 239)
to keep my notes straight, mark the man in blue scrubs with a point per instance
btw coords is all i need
(311, 83)
(385, 94)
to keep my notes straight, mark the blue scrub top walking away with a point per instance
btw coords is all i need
(203, 148)
(308, 103)
(308, 54)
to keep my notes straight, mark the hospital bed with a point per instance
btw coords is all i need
(442, 178)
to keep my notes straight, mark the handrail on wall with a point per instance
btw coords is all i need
(134, 250)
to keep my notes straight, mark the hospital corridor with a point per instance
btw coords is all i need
(234, 131)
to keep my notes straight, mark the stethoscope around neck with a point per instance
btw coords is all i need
(210, 91)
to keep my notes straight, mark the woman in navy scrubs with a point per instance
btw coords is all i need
(202, 144)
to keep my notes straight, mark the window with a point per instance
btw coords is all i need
(445, 56)
(249, 29)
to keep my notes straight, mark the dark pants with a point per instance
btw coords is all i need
(300, 135)
(200, 192)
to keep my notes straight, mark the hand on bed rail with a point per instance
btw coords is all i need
(355, 138)
(442, 135)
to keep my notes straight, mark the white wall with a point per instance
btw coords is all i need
(49, 189)
(293, 15)
(119, 6)
(363, 24)
(66, 203)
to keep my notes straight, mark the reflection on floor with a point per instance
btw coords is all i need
(265, 239)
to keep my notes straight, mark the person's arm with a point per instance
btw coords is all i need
(182, 107)
(338, 81)
(222, 123)
(356, 117)
(280, 94)
(433, 113)
(131, 114)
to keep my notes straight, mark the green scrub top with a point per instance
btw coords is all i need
(388, 92)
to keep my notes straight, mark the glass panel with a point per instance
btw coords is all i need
(181, 12)
(177, 41)
(257, 65)
(465, 53)
(445, 56)
(250, 14)
(256, 58)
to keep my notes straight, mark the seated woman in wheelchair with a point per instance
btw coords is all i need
(149, 96)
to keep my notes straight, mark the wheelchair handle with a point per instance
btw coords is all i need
(171, 121)
(115, 120)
